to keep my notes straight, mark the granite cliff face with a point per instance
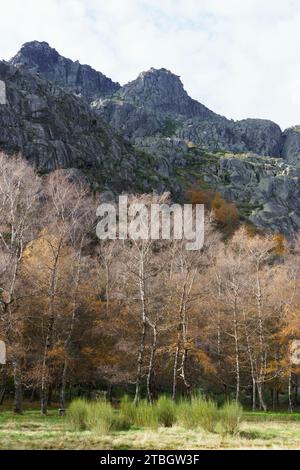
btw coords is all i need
(54, 129)
(171, 141)
(157, 104)
(251, 162)
(291, 145)
(265, 189)
(82, 80)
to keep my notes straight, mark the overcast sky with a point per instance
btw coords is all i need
(238, 57)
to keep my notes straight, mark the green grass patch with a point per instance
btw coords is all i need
(200, 411)
(256, 430)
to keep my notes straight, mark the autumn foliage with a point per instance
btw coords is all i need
(86, 317)
(223, 213)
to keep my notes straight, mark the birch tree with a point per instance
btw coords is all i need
(19, 203)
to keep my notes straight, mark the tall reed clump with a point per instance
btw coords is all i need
(166, 411)
(230, 416)
(162, 413)
(77, 414)
(200, 411)
(98, 416)
(128, 410)
(145, 415)
(101, 417)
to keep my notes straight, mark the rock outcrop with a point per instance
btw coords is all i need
(265, 189)
(157, 104)
(82, 80)
(291, 145)
(54, 129)
(162, 92)
(249, 135)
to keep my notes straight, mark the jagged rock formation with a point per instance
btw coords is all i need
(157, 104)
(151, 104)
(160, 91)
(82, 80)
(253, 135)
(54, 129)
(250, 161)
(177, 140)
(265, 189)
(291, 145)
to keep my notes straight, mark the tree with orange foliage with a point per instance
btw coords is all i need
(225, 213)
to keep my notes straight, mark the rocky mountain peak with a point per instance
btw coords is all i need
(161, 75)
(83, 80)
(160, 90)
(54, 129)
(35, 55)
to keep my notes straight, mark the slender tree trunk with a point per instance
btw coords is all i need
(219, 324)
(185, 337)
(236, 344)
(219, 339)
(18, 400)
(45, 378)
(141, 352)
(140, 361)
(262, 403)
(70, 333)
(185, 352)
(179, 335)
(49, 334)
(176, 363)
(151, 362)
(273, 399)
(17, 375)
(107, 286)
(183, 372)
(296, 391)
(249, 350)
(290, 394)
(110, 392)
(253, 394)
(44, 387)
(262, 366)
(62, 395)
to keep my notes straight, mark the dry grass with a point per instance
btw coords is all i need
(31, 431)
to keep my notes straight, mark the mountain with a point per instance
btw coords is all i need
(153, 104)
(169, 140)
(251, 162)
(162, 91)
(82, 80)
(54, 129)
(157, 104)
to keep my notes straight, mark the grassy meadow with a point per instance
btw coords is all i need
(158, 430)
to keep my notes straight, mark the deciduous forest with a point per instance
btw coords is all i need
(81, 317)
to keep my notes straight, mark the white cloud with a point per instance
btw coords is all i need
(240, 58)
